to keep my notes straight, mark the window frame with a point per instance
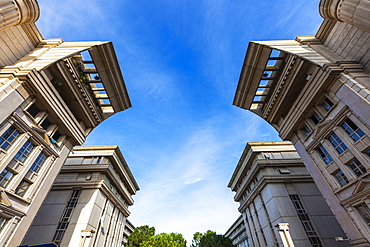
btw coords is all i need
(337, 143)
(353, 131)
(8, 134)
(340, 176)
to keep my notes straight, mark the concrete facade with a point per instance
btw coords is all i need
(274, 189)
(315, 91)
(88, 203)
(238, 233)
(52, 95)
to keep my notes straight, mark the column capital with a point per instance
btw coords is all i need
(29, 11)
(329, 9)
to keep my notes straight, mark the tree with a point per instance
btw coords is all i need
(210, 239)
(196, 239)
(139, 235)
(165, 240)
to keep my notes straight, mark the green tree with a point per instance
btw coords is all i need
(210, 239)
(165, 240)
(196, 239)
(139, 235)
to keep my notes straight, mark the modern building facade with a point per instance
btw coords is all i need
(238, 233)
(315, 91)
(276, 192)
(88, 203)
(52, 95)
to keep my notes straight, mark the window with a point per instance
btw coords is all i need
(353, 131)
(38, 162)
(324, 154)
(8, 137)
(306, 130)
(306, 222)
(5, 177)
(3, 222)
(64, 220)
(316, 118)
(33, 110)
(337, 143)
(364, 211)
(45, 124)
(22, 188)
(357, 167)
(341, 178)
(55, 137)
(327, 104)
(24, 151)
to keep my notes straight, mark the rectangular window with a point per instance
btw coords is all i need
(324, 154)
(341, 178)
(306, 222)
(5, 177)
(357, 167)
(364, 211)
(327, 104)
(38, 162)
(33, 110)
(22, 188)
(316, 118)
(64, 220)
(23, 152)
(8, 137)
(306, 130)
(353, 131)
(337, 143)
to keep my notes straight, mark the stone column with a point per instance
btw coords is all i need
(285, 235)
(16, 12)
(354, 12)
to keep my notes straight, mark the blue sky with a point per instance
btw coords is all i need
(181, 60)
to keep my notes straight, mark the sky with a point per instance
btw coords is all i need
(181, 61)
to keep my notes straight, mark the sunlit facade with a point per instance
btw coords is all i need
(274, 188)
(315, 91)
(52, 95)
(88, 203)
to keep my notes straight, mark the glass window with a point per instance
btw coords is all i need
(24, 151)
(306, 222)
(5, 177)
(353, 131)
(357, 167)
(341, 178)
(316, 118)
(33, 110)
(38, 162)
(306, 130)
(8, 137)
(22, 188)
(324, 154)
(327, 104)
(364, 211)
(64, 220)
(337, 143)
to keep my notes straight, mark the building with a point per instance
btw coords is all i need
(88, 203)
(238, 233)
(129, 228)
(315, 92)
(52, 95)
(273, 187)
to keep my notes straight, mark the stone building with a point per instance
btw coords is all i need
(129, 228)
(52, 95)
(273, 187)
(88, 203)
(315, 91)
(238, 233)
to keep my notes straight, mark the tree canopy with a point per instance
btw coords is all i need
(139, 235)
(144, 236)
(210, 239)
(165, 240)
